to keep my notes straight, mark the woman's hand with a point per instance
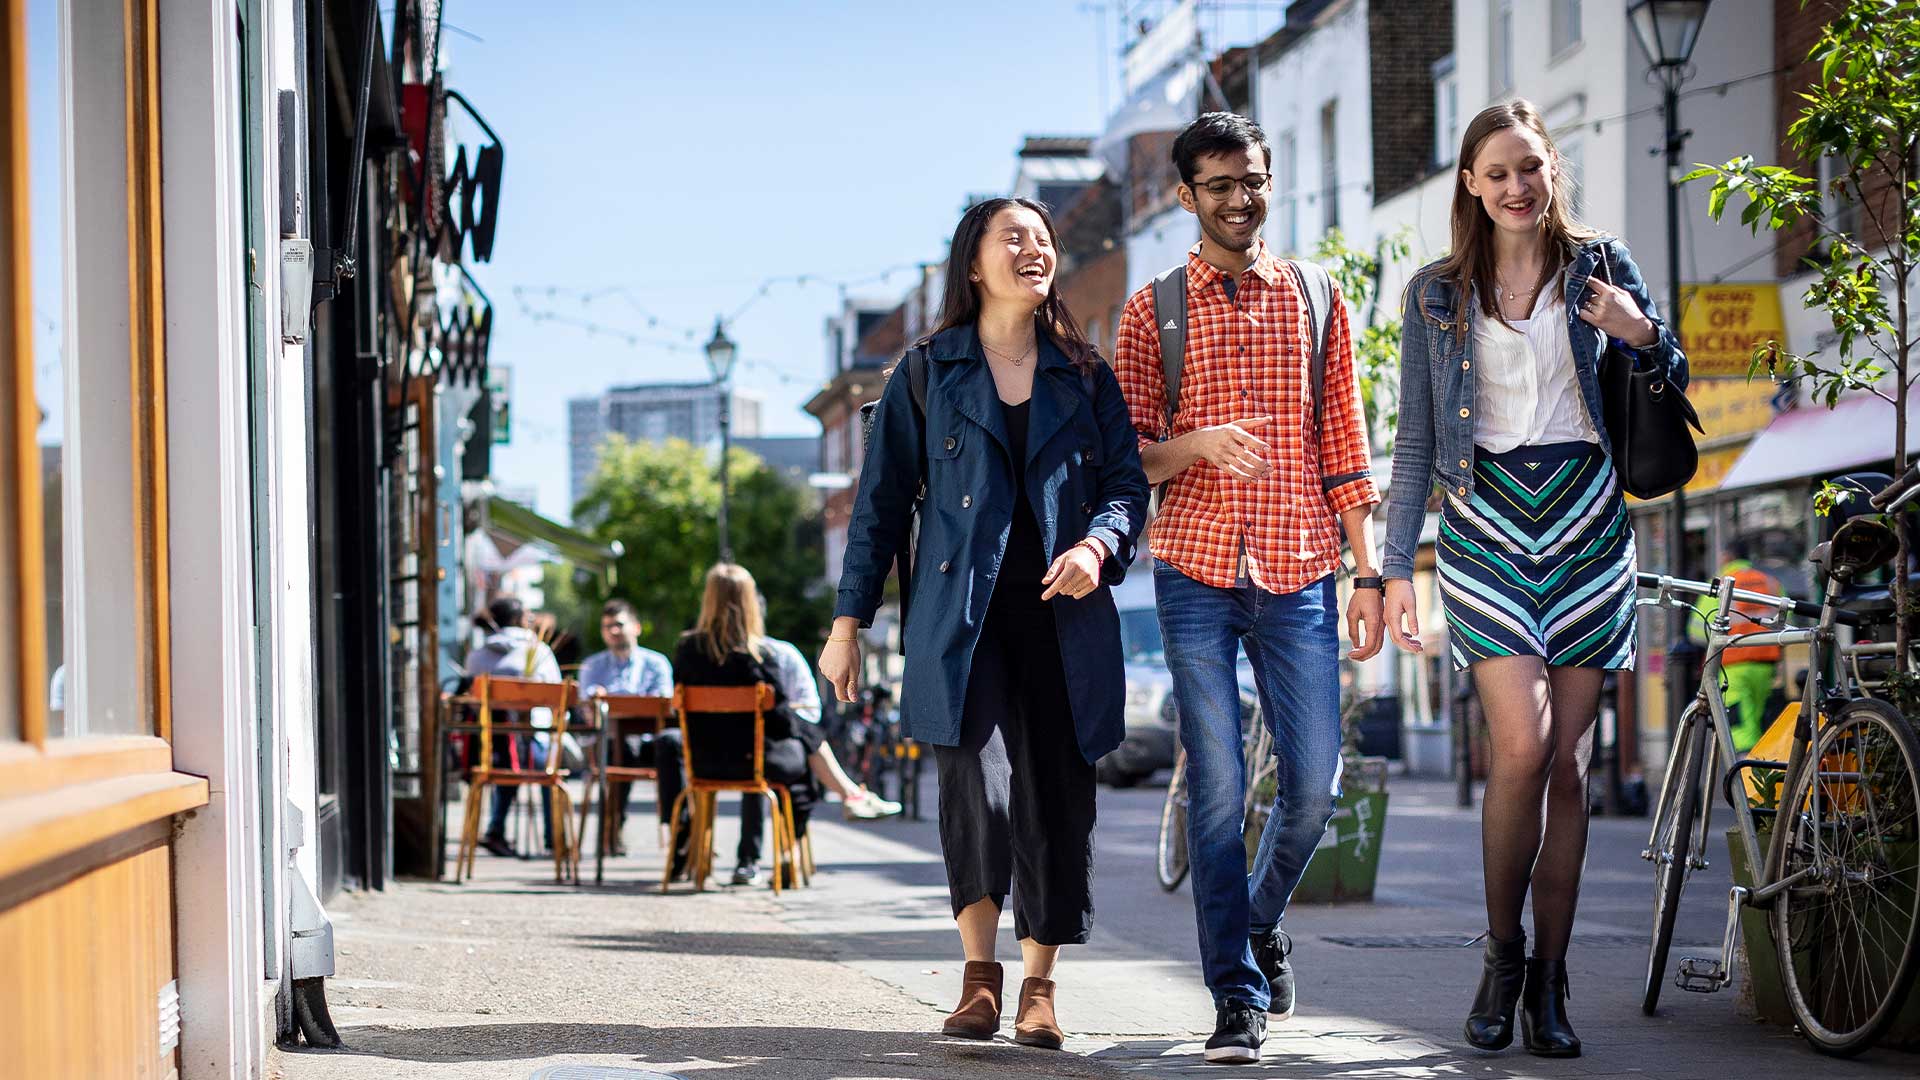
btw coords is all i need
(1614, 311)
(1075, 573)
(840, 657)
(1403, 615)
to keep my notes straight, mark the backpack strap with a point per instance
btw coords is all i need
(1317, 287)
(1170, 315)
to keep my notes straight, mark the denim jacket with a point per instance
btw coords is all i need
(1083, 479)
(1434, 444)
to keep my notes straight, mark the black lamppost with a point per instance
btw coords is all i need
(720, 354)
(1667, 31)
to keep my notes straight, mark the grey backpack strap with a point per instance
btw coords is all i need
(1318, 289)
(1170, 315)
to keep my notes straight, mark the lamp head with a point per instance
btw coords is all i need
(720, 353)
(1667, 29)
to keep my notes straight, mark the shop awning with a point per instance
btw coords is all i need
(522, 524)
(1816, 441)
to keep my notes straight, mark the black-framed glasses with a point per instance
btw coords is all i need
(1222, 186)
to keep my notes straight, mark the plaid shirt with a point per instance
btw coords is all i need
(1249, 358)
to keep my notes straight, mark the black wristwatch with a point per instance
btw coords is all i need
(1370, 583)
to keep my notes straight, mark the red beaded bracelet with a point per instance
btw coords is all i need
(1099, 551)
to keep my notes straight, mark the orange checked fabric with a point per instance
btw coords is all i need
(1249, 357)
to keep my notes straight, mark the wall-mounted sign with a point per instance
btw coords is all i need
(500, 402)
(1720, 324)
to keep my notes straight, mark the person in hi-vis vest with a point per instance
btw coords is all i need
(1748, 669)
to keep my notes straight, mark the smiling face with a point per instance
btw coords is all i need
(1232, 221)
(1015, 261)
(1512, 176)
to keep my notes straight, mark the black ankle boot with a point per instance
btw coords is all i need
(1543, 1019)
(1490, 1024)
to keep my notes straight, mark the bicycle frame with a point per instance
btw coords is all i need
(1709, 708)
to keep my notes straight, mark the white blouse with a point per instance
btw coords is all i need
(1526, 393)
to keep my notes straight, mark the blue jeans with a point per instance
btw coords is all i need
(1293, 641)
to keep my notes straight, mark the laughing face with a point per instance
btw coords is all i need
(1512, 176)
(1230, 221)
(1016, 258)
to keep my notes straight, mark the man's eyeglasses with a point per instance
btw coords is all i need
(1222, 186)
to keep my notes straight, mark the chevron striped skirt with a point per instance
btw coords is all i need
(1539, 560)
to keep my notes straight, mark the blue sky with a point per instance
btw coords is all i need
(689, 152)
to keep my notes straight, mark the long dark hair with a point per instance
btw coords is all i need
(1471, 263)
(960, 304)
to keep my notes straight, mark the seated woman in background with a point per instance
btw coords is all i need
(728, 646)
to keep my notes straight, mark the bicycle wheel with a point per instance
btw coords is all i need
(1846, 935)
(1671, 850)
(1170, 863)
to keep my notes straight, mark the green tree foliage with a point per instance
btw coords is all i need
(1376, 336)
(1862, 115)
(662, 503)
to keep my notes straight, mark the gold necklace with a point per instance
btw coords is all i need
(1020, 361)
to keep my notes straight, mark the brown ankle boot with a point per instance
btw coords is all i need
(1034, 1024)
(978, 1016)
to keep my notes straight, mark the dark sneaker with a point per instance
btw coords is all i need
(746, 874)
(1238, 1032)
(497, 845)
(1270, 952)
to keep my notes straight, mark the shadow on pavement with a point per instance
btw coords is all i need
(759, 1053)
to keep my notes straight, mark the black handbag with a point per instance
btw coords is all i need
(1647, 419)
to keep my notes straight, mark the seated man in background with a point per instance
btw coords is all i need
(512, 650)
(626, 667)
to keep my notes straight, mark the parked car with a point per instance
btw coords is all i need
(1152, 719)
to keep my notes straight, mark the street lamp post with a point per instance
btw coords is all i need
(1667, 31)
(720, 356)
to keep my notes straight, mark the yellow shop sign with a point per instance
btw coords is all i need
(1720, 324)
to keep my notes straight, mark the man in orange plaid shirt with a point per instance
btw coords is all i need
(1245, 548)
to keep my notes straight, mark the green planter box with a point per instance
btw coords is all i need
(1761, 961)
(1347, 863)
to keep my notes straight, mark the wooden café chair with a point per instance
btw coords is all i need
(622, 714)
(499, 692)
(707, 709)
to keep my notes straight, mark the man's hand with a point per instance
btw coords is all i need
(1403, 614)
(1234, 449)
(1365, 624)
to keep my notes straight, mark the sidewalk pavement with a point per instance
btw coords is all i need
(510, 974)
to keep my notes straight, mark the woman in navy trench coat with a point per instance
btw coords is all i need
(1033, 501)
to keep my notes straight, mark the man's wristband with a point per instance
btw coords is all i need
(1370, 583)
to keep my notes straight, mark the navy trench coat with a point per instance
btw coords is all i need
(1083, 479)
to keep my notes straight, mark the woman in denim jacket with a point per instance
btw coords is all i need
(1026, 473)
(1500, 406)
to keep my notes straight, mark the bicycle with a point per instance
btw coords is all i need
(1262, 778)
(1840, 881)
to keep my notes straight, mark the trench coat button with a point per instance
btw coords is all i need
(1086, 508)
(952, 442)
(966, 501)
(1463, 463)
(1464, 413)
(946, 564)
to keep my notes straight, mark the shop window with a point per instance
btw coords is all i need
(86, 545)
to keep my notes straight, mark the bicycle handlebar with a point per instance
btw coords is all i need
(1897, 490)
(1803, 608)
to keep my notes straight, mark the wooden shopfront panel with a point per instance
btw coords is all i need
(88, 795)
